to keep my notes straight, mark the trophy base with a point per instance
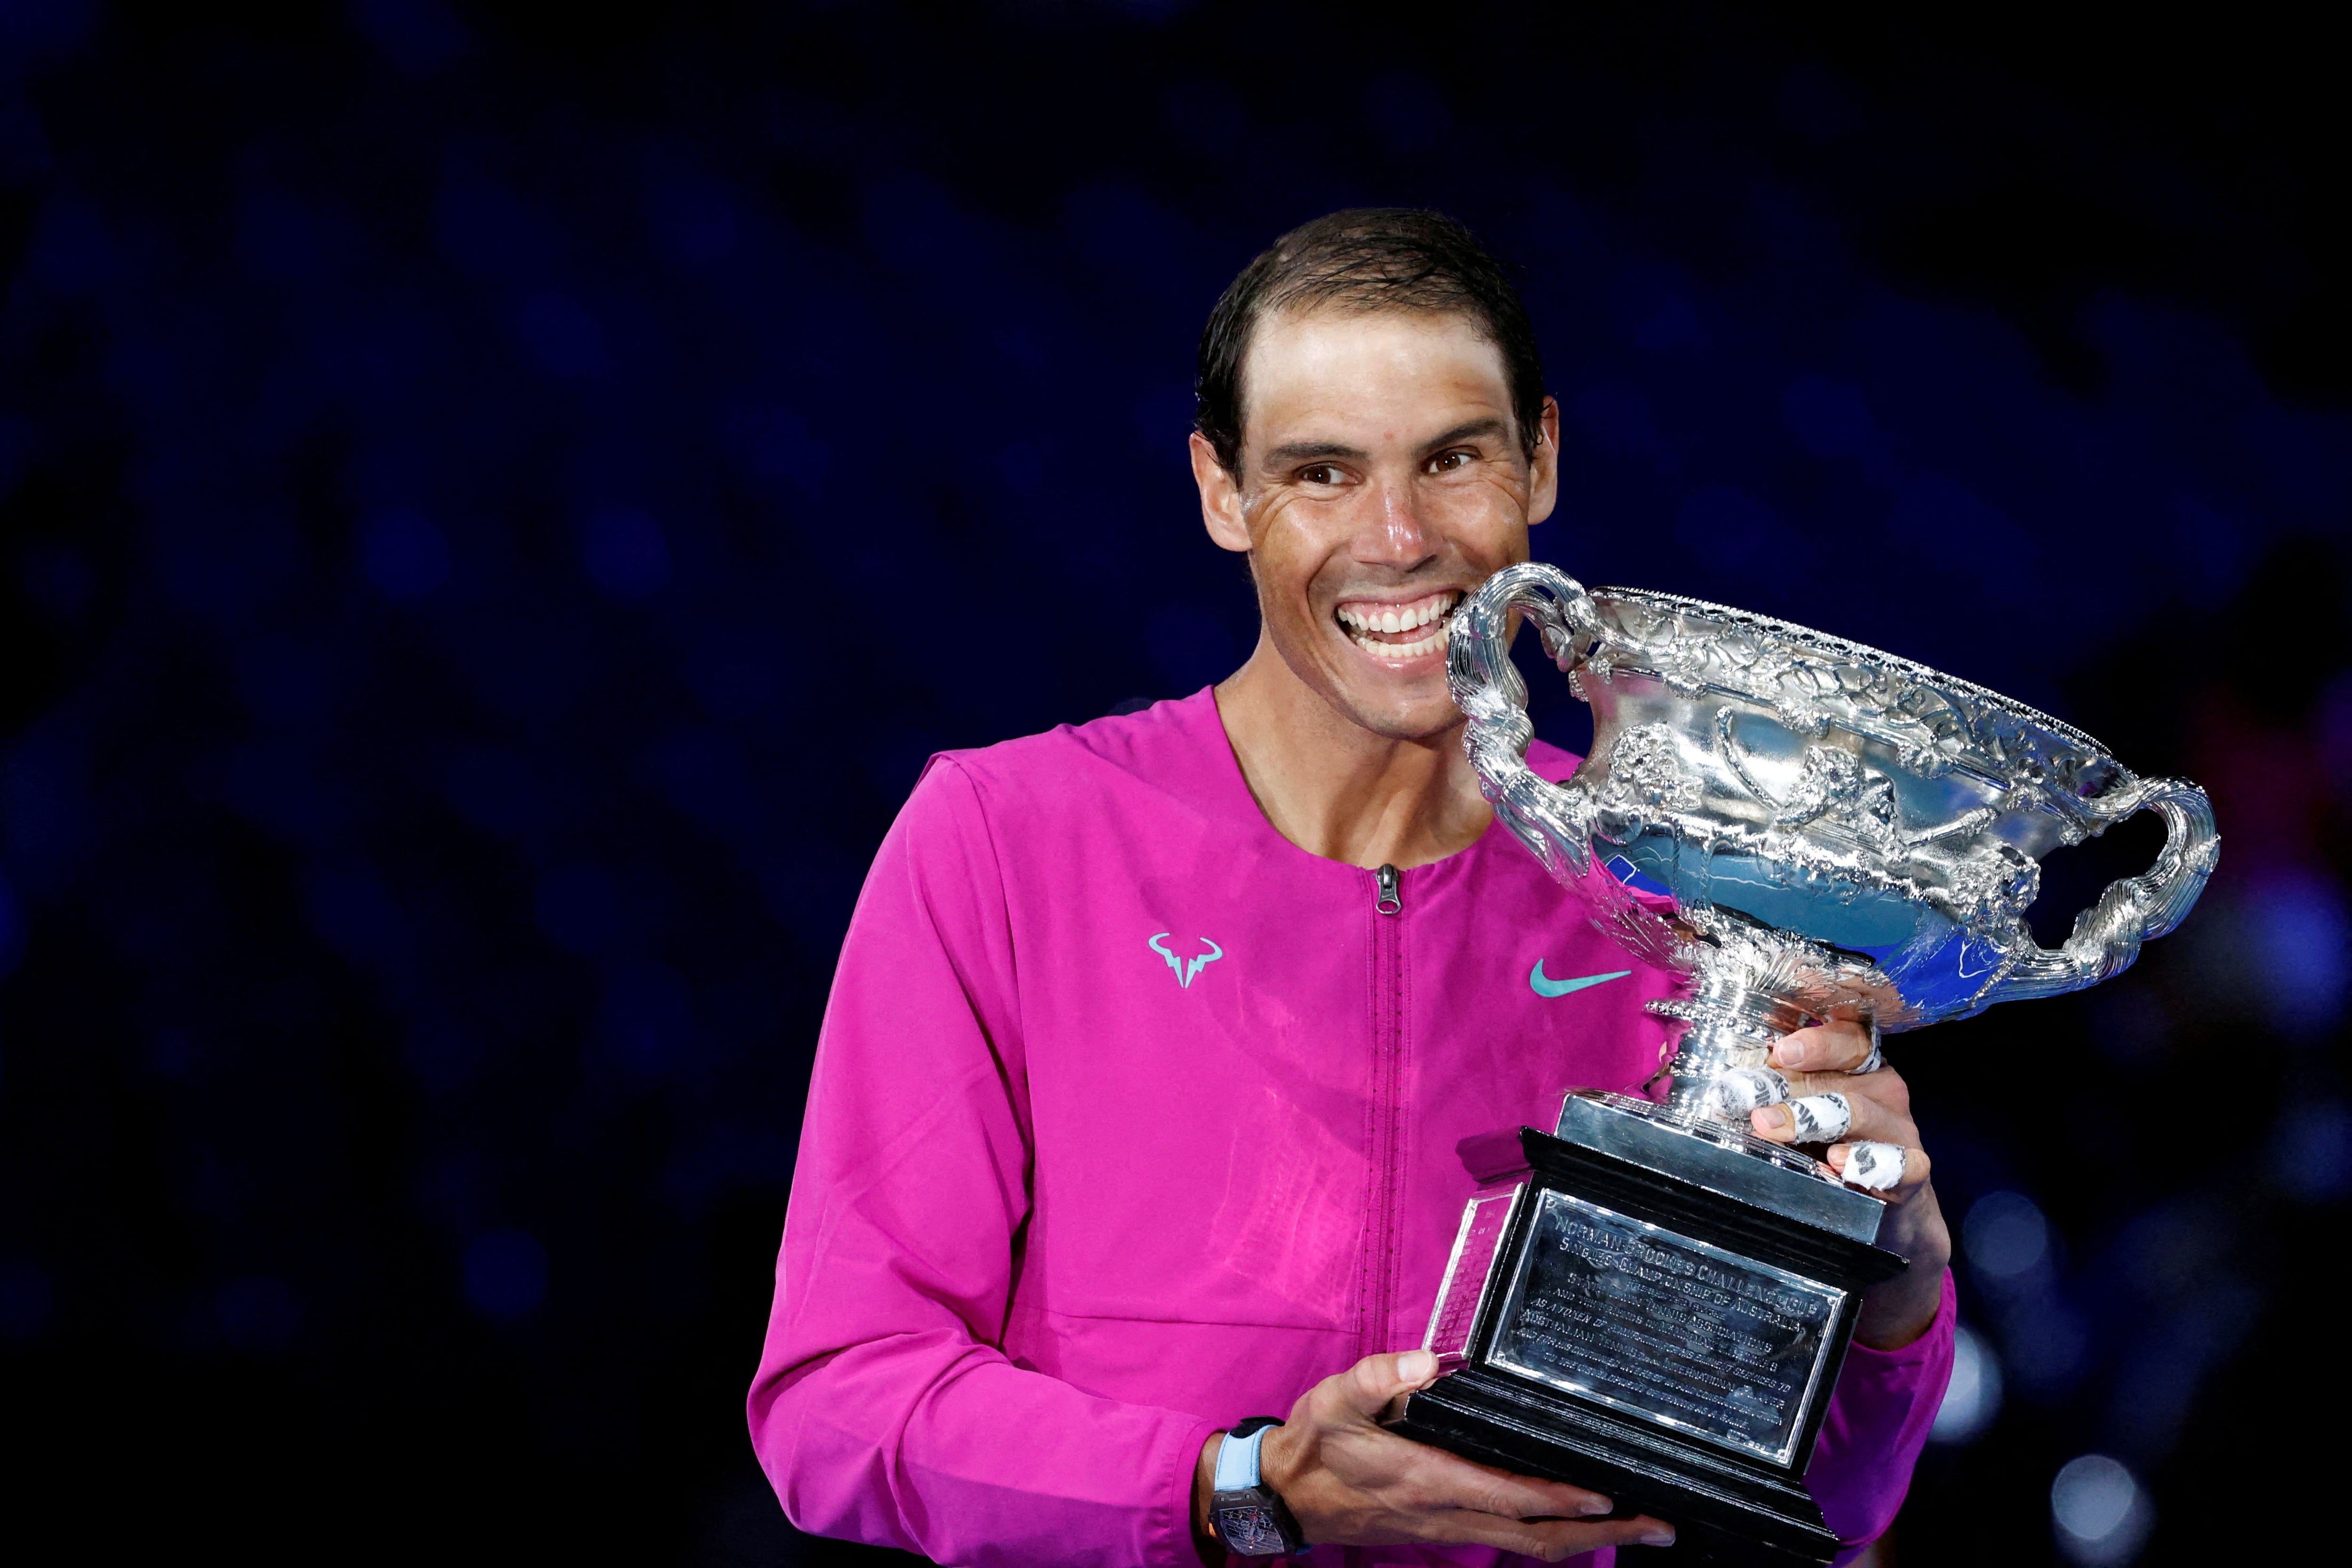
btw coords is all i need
(1722, 1515)
(1656, 1315)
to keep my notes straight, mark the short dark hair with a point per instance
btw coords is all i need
(1366, 258)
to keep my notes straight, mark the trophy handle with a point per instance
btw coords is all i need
(2108, 936)
(1554, 822)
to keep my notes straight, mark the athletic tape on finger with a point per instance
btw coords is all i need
(1877, 1056)
(1820, 1118)
(1876, 1166)
(1743, 1089)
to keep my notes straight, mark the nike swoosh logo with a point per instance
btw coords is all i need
(1544, 987)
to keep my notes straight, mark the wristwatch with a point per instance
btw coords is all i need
(1251, 1519)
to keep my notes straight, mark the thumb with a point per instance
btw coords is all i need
(1373, 1382)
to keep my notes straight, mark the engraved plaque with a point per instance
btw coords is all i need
(1464, 1290)
(1665, 1328)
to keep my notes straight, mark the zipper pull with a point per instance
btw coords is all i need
(1390, 899)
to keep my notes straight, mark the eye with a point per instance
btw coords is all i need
(1320, 474)
(1446, 462)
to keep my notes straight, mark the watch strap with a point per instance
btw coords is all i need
(1237, 1460)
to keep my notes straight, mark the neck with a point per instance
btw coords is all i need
(1339, 790)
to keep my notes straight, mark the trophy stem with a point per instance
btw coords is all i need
(1743, 998)
(1734, 1023)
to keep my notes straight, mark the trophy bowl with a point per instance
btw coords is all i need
(1842, 833)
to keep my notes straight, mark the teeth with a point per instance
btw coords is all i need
(1365, 624)
(1396, 618)
(1430, 643)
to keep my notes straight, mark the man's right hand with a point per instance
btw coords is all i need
(1350, 1481)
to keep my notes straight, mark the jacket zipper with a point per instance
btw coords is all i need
(1378, 1289)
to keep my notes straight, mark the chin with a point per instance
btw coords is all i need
(1415, 715)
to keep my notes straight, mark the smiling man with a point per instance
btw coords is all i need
(1136, 1108)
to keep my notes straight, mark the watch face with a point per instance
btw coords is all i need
(1250, 1529)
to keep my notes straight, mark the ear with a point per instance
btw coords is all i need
(1220, 498)
(1543, 468)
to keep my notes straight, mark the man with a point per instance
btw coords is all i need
(1136, 1106)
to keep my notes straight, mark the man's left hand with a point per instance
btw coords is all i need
(1820, 1061)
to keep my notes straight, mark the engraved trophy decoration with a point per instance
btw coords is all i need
(1649, 1300)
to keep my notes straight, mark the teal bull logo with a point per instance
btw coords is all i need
(1186, 968)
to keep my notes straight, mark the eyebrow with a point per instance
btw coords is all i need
(1490, 425)
(1309, 451)
(1295, 452)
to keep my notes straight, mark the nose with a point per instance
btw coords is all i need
(1395, 534)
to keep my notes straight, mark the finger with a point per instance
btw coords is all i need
(1366, 1387)
(1844, 1114)
(1814, 1118)
(1888, 1088)
(1840, 1045)
(1738, 1091)
(1546, 1540)
(1889, 1168)
(1447, 1483)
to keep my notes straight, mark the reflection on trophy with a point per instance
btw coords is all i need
(1649, 1300)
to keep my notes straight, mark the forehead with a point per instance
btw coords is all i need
(1356, 369)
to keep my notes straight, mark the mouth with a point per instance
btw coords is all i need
(1394, 633)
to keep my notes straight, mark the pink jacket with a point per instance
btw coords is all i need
(1131, 1118)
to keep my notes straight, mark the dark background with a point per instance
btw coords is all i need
(501, 500)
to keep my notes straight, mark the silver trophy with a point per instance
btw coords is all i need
(1843, 833)
(1651, 1300)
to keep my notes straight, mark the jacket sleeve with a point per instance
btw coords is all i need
(1876, 1424)
(886, 1409)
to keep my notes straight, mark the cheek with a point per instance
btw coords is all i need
(1482, 519)
(1279, 561)
(1293, 542)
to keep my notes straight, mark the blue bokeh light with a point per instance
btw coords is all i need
(1972, 1399)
